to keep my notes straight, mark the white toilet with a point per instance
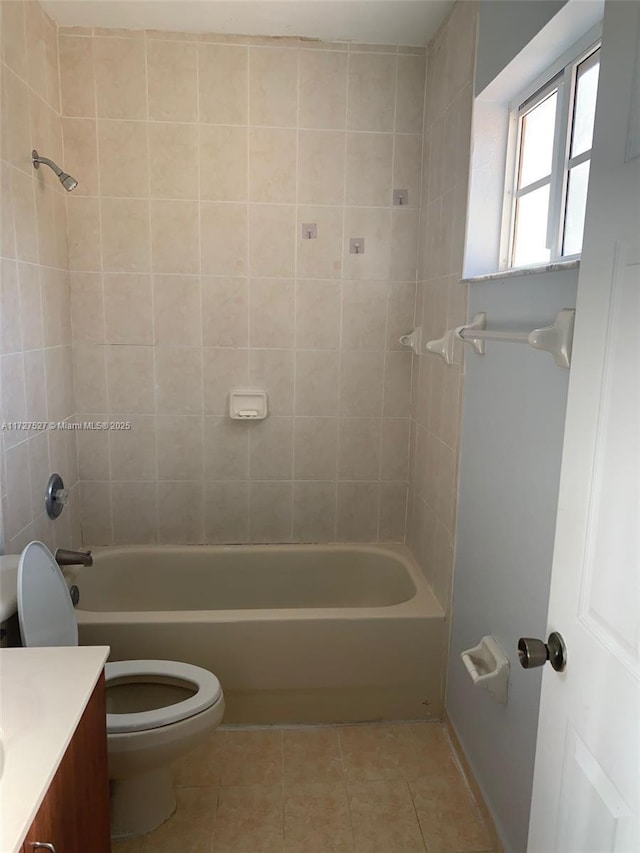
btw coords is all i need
(157, 710)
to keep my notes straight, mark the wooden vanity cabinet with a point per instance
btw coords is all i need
(74, 815)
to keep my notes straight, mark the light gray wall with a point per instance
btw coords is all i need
(513, 422)
(504, 28)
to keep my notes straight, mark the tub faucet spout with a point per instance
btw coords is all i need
(73, 558)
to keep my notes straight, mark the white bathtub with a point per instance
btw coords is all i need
(329, 633)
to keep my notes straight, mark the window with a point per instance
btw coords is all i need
(550, 139)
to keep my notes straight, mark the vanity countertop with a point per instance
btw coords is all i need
(43, 694)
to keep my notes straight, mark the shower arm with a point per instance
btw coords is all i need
(36, 159)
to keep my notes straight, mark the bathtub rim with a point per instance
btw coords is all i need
(422, 604)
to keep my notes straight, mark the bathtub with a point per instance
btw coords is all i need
(295, 633)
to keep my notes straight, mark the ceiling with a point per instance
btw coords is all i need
(408, 22)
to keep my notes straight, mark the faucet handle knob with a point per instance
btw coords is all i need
(56, 496)
(61, 496)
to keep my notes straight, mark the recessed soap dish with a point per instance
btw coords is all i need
(247, 405)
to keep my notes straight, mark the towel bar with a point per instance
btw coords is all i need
(556, 338)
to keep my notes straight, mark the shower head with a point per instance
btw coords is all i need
(67, 181)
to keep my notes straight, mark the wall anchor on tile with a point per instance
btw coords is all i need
(309, 231)
(356, 245)
(401, 197)
(412, 340)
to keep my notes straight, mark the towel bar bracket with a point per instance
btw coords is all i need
(478, 324)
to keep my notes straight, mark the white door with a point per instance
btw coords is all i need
(586, 796)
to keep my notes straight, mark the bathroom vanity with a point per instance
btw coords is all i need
(53, 784)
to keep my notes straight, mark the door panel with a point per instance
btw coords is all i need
(586, 793)
(592, 813)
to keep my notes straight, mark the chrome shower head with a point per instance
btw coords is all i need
(67, 181)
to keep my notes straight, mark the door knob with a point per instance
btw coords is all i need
(533, 652)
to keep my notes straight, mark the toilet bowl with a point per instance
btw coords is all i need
(157, 710)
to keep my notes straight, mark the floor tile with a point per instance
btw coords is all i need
(424, 748)
(249, 819)
(383, 818)
(129, 845)
(190, 829)
(448, 815)
(392, 751)
(371, 753)
(376, 788)
(316, 819)
(311, 755)
(250, 756)
(200, 767)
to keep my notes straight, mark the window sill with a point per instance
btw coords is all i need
(558, 266)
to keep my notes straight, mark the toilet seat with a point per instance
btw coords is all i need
(208, 692)
(45, 611)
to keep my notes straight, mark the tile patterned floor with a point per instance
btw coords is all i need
(379, 788)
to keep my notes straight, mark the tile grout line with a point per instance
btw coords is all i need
(3, 448)
(76, 502)
(388, 288)
(341, 319)
(215, 822)
(297, 249)
(152, 284)
(417, 322)
(248, 269)
(103, 291)
(302, 128)
(282, 787)
(203, 430)
(417, 816)
(235, 202)
(345, 787)
(33, 185)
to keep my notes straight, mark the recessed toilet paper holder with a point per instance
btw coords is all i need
(488, 667)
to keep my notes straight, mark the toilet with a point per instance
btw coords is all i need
(157, 710)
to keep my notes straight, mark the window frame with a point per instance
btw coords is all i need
(561, 76)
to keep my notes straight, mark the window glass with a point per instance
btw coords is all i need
(585, 105)
(576, 208)
(530, 236)
(536, 146)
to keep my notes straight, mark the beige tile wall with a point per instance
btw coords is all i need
(35, 329)
(441, 300)
(199, 159)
